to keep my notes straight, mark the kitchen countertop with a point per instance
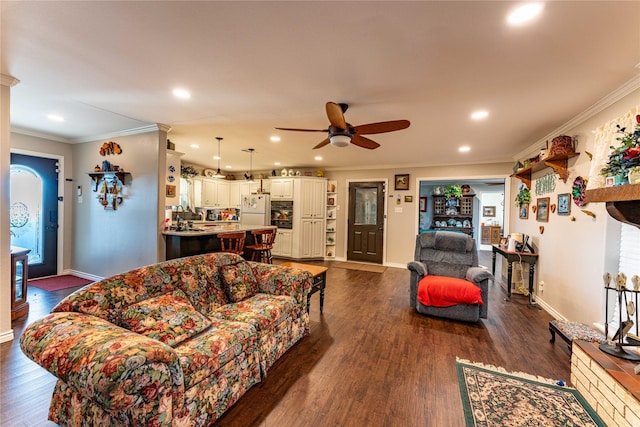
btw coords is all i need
(217, 229)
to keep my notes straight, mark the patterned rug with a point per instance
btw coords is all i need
(493, 397)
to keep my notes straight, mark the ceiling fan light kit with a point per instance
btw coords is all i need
(340, 140)
(341, 134)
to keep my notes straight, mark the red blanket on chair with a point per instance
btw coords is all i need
(440, 291)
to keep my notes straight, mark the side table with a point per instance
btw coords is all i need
(319, 274)
(528, 257)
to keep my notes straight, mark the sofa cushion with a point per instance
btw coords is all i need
(204, 355)
(239, 281)
(262, 311)
(442, 291)
(169, 318)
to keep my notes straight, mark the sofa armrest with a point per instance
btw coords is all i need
(418, 267)
(481, 277)
(418, 271)
(118, 369)
(277, 280)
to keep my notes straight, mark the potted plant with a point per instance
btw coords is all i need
(453, 191)
(523, 197)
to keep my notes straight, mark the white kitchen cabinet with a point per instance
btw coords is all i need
(282, 188)
(215, 193)
(283, 245)
(312, 238)
(312, 198)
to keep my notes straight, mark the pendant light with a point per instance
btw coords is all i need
(249, 177)
(219, 173)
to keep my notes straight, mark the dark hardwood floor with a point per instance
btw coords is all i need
(370, 360)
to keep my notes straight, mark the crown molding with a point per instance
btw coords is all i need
(49, 137)
(7, 80)
(613, 97)
(156, 127)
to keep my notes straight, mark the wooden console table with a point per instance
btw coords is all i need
(319, 274)
(528, 257)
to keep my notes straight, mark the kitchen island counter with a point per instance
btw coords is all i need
(204, 239)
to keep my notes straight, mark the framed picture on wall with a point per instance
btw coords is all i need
(488, 211)
(423, 204)
(408, 199)
(564, 204)
(402, 182)
(542, 211)
(524, 211)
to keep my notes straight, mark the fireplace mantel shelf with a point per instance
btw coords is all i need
(623, 201)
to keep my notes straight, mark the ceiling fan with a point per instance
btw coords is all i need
(341, 133)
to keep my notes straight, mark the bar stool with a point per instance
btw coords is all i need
(232, 242)
(263, 243)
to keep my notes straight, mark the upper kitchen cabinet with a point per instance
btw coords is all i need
(312, 196)
(281, 188)
(215, 193)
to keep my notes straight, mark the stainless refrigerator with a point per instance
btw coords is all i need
(255, 209)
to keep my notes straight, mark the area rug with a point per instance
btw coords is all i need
(56, 283)
(361, 267)
(493, 397)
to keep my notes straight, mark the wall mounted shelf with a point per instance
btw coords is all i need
(558, 163)
(110, 193)
(99, 176)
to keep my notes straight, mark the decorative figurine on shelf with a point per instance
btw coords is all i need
(635, 279)
(621, 281)
(607, 279)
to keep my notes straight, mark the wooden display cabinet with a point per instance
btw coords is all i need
(19, 278)
(453, 211)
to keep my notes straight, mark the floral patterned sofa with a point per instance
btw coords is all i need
(175, 343)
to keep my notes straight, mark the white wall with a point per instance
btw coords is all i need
(106, 242)
(575, 254)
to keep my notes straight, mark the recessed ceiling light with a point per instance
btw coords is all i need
(524, 13)
(228, 166)
(464, 149)
(216, 157)
(276, 163)
(55, 118)
(194, 146)
(317, 158)
(479, 115)
(275, 138)
(181, 93)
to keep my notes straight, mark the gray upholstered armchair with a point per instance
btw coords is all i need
(449, 257)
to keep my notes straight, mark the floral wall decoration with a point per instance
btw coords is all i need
(608, 140)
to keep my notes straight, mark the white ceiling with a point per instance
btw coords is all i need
(252, 66)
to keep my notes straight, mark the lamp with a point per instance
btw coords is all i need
(249, 177)
(218, 172)
(340, 140)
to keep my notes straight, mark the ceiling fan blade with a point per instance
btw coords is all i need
(322, 144)
(335, 115)
(304, 130)
(382, 127)
(363, 142)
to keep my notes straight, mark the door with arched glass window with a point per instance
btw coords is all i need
(34, 211)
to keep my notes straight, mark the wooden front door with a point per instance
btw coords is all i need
(366, 222)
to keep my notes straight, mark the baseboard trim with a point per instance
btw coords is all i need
(83, 275)
(7, 336)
